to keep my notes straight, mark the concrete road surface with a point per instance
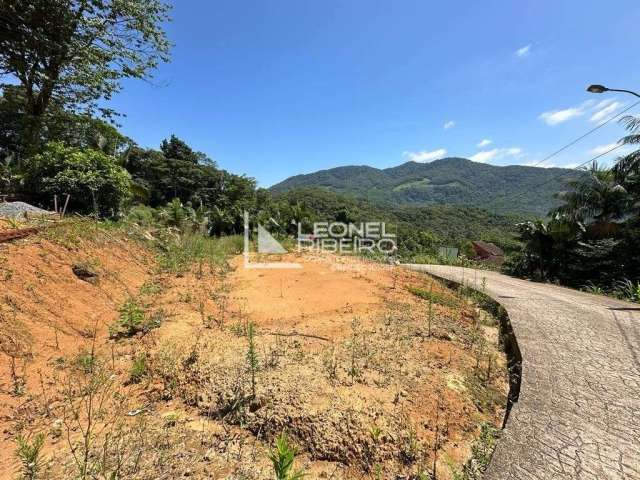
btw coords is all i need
(578, 413)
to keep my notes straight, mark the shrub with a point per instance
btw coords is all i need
(93, 179)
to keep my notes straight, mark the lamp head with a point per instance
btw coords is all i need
(597, 89)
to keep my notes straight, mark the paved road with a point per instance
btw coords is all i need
(578, 414)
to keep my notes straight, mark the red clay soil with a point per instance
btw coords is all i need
(307, 314)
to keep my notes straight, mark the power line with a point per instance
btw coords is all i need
(585, 135)
(519, 194)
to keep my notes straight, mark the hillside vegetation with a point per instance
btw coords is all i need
(446, 225)
(454, 181)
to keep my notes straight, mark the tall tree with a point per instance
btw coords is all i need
(596, 199)
(627, 168)
(76, 52)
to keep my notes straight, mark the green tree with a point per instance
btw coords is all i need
(57, 125)
(76, 52)
(627, 167)
(596, 199)
(94, 180)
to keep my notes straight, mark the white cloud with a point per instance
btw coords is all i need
(495, 154)
(449, 124)
(484, 157)
(605, 110)
(599, 112)
(555, 117)
(524, 51)
(602, 149)
(484, 143)
(425, 156)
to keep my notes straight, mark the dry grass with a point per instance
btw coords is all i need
(365, 382)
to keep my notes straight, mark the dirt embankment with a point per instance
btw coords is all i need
(367, 378)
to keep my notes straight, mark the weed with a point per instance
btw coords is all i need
(481, 452)
(484, 446)
(132, 320)
(282, 457)
(410, 447)
(85, 361)
(151, 287)
(29, 455)
(434, 297)
(253, 362)
(179, 253)
(138, 369)
(375, 432)
(591, 287)
(330, 364)
(239, 329)
(358, 350)
(430, 312)
(627, 290)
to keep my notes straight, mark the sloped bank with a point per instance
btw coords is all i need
(576, 417)
(507, 337)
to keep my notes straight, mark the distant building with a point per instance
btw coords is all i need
(488, 251)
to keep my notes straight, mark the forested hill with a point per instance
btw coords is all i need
(455, 181)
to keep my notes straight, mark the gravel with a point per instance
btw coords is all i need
(20, 209)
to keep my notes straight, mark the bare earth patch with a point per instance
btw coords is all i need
(345, 361)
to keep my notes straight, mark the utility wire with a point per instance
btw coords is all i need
(585, 135)
(519, 194)
(552, 179)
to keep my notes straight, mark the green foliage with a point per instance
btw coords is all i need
(85, 361)
(419, 230)
(434, 297)
(253, 361)
(452, 181)
(178, 254)
(177, 172)
(132, 320)
(94, 180)
(138, 369)
(483, 447)
(589, 241)
(282, 458)
(28, 452)
(75, 53)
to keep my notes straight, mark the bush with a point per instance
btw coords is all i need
(93, 179)
(132, 320)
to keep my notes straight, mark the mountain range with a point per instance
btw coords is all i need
(449, 181)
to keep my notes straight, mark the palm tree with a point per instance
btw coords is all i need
(596, 197)
(627, 168)
(597, 200)
(629, 165)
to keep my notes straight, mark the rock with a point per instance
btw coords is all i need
(84, 272)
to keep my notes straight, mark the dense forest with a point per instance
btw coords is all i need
(450, 181)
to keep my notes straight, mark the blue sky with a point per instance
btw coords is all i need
(276, 88)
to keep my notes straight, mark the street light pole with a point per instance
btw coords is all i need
(602, 89)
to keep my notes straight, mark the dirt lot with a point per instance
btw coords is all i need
(342, 355)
